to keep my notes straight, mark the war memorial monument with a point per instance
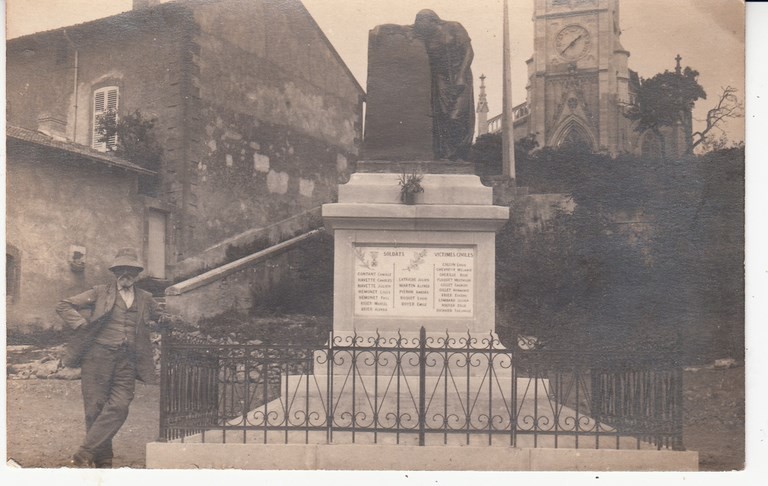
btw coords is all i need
(413, 376)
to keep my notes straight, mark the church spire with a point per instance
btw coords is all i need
(482, 101)
(678, 67)
(482, 109)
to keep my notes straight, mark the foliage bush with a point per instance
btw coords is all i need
(136, 141)
(652, 251)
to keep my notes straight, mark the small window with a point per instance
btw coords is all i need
(105, 104)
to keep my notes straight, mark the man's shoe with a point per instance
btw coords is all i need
(81, 460)
(103, 464)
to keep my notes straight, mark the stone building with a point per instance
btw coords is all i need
(257, 115)
(579, 84)
(56, 242)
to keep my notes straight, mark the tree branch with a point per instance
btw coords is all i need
(727, 107)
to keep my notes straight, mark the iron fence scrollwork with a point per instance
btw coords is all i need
(418, 389)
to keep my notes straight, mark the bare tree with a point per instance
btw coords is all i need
(727, 107)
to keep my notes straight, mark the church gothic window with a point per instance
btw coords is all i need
(574, 137)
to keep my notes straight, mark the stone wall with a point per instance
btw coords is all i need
(54, 202)
(258, 117)
(234, 292)
(247, 242)
(113, 51)
(279, 119)
(139, 52)
(294, 277)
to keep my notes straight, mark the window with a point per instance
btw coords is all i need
(105, 104)
(575, 137)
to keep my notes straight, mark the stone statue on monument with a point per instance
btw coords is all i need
(450, 57)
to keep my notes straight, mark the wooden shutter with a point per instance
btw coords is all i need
(105, 103)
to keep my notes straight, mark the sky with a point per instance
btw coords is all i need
(708, 34)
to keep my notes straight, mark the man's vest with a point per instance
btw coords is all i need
(120, 327)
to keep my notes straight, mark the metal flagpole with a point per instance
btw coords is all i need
(507, 127)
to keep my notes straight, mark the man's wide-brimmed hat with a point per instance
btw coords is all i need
(127, 257)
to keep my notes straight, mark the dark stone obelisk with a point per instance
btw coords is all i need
(398, 120)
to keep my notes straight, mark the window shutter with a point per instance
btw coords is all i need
(105, 103)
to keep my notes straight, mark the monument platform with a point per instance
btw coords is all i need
(409, 458)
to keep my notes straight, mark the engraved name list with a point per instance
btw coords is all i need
(414, 281)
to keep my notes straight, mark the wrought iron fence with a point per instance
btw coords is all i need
(419, 389)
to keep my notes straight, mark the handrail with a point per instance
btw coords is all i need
(230, 268)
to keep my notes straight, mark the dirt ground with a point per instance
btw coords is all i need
(45, 421)
(713, 417)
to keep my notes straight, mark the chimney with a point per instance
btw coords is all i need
(139, 4)
(53, 126)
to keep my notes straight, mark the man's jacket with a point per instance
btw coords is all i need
(89, 311)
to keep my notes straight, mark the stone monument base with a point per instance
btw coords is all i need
(381, 457)
(402, 266)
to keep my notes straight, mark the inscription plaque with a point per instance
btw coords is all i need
(413, 281)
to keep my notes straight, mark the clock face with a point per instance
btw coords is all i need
(573, 42)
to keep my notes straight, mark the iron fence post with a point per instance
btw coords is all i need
(596, 408)
(678, 410)
(329, 389)
(513, 392)
(218, 414)
(165, 348)
(678, 364)
(422, 383)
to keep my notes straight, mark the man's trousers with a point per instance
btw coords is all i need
(108, 380)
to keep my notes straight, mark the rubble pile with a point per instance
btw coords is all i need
(47, 366)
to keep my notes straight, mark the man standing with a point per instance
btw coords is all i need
(112, 346)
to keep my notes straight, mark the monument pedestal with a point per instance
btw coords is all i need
(399, 267)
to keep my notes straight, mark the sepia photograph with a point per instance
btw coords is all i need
(369, 235)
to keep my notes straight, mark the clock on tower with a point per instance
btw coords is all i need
(573, 42)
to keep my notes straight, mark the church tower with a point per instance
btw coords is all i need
(578, 79)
